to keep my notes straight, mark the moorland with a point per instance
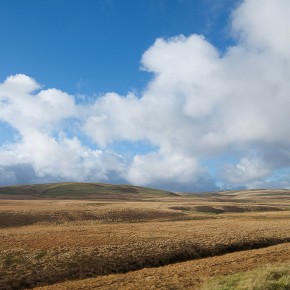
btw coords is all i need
(102, 236)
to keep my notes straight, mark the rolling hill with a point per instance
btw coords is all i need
(246, 195)
(77, 190)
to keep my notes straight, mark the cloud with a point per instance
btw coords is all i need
(113, 117)
(51, 159)
(246, 170)
(25, 109)
(263, 25)
(201, 104)
(38, 116)
(159, 167)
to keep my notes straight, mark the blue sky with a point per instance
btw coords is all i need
(94, 47)
(171, 94)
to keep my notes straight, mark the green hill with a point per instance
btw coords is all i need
(79, 190)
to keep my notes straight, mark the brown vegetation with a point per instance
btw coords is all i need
(46, 241)
(185, 275)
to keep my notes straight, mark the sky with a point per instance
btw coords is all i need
(180, 95)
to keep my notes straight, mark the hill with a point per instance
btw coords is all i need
(78, 190)
(83, 190)
(247, 195)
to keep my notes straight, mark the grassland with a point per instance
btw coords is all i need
(268, 277)
(98, 236)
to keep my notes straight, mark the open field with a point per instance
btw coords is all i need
(97, 236)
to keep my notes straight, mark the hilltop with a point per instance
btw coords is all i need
(78, 190)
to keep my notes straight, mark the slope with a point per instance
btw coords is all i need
(78, 190)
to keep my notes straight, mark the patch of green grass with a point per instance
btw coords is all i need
(264, 278)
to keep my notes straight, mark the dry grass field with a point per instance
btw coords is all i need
(97, 236)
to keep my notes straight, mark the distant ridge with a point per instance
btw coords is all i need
(247, 195)
(80, 190)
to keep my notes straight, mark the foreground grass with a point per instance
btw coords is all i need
(265, 278)
(26, 269)
(37, 260)
(188, 275)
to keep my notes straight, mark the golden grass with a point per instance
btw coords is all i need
(49, 241)
(186, 275)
